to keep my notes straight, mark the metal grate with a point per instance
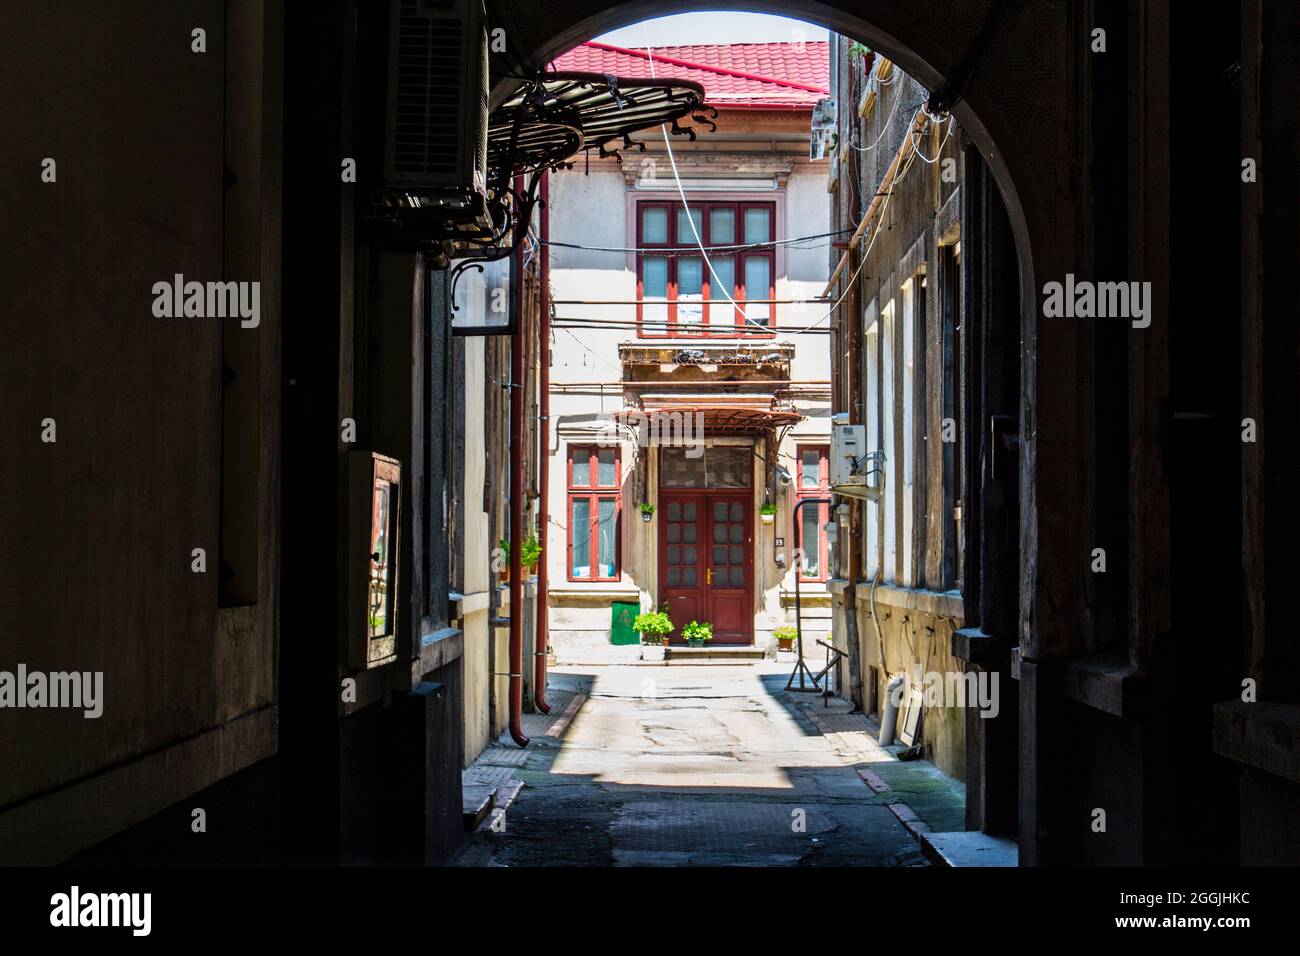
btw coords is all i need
(429, 72)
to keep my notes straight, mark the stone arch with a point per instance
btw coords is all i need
(1016, 110)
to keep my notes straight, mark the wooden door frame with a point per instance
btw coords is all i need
(705, 495)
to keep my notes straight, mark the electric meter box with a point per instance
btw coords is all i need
(848, 448)
(373, 556)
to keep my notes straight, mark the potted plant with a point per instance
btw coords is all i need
(860, 51)
(647, 510)
(767, 513)
(653, 626)
(503, 548)
(785, 635)
(530, 552)
(696, 633)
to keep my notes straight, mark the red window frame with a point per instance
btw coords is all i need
(740, 293)
(822, 511)
(592, 493)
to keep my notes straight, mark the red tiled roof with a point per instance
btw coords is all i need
(733, 74)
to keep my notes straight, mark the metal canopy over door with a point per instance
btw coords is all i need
(706, 537)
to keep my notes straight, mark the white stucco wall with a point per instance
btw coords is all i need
(592, 210)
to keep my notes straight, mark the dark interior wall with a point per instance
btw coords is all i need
(99, 526)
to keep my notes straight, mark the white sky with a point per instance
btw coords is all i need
(685, 29)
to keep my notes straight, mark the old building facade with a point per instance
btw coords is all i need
(691, 388)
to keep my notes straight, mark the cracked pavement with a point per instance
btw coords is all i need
(708, 765)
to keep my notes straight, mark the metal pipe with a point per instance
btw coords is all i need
(543, 351)
(516, 503)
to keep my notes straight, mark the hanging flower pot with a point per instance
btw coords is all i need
(767, 513)
(647, 511)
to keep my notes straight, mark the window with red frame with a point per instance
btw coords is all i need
(682, 297)
(593, 515)
(813, 481)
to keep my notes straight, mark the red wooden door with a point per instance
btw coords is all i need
(706, 562)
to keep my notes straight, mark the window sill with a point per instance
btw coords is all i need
(938, 603)
(594, 594)
(1262, 735)
(1108, 683)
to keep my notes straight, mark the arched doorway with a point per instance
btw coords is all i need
(998, 66)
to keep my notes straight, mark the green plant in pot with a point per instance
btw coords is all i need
(785, 635)
(647, 511)
(530, 552)
(860, 52)
(696, 633)
(654, 627)
(504, 547)
(767, 513)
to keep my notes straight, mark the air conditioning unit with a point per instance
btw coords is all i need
(849, 462)
(436, 124)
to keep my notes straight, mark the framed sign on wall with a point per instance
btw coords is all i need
(483, 297)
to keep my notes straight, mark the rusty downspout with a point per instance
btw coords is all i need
(516, 503)
(543, 350)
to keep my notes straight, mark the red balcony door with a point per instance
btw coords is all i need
(706, 561)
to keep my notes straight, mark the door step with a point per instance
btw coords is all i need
(721, 654)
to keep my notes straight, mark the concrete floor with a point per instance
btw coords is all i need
(687, 766)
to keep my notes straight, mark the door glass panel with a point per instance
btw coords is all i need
(674, 533)
(685, 237)
(688, 534)
(654, 279)
(737, 577)
(730, 466)
(737, 511)
(607, 536)
(758, 224)
(581, 468)
(737, 555)
(809, 542)
(654, 224)
(674, 577)
(722, 290)
(678, 471)
(690, 292)
(688, 555)
(689, 577)
(719, 555)
(719, 514)
(737, 533)
(605, 467)
(758, 277)
(722, 226)
(674, 554)
(811, 469)
(580, 530)
(674, 511)
(688, 514)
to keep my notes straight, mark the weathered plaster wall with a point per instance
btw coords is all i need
(100, 524)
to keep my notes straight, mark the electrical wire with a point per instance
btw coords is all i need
(598, 358)
(681, 191)
(927, 160)
(892, 110)
(692, 250)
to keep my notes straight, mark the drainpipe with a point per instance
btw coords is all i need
(516, 503)
(542, 630)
